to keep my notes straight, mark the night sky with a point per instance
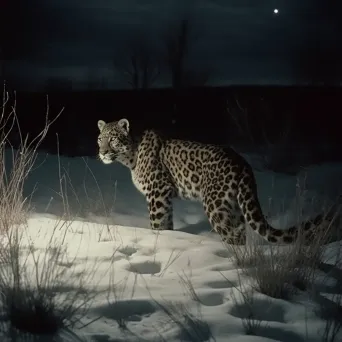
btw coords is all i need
(237, 41)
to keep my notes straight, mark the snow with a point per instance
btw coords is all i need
(147, 271)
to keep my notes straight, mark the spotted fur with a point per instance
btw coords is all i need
(218, 177)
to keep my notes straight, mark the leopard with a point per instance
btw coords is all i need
(218, 177)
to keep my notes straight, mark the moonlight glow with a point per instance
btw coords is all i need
(276, 11)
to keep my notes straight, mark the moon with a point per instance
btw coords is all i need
(276, 11)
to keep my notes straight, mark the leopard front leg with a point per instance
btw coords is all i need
(160, 208)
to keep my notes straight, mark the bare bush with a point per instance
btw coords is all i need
(31, 279)
(280, 271)
(15, 165)
(32, 283)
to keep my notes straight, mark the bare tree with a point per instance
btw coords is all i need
(139, 64)
(178, 41)
(318, 61)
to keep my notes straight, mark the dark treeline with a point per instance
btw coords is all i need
(216, 115)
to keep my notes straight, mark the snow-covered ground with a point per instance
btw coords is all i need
(139, 275)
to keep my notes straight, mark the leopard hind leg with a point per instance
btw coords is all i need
(227, 221)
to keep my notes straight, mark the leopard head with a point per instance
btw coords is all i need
(114, 140)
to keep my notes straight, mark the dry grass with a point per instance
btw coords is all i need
(328, 295)
(190, 322)
(276, 272)
(15, 165)
(244, 300)
(41, 291)
(279, 271)
(39, 294)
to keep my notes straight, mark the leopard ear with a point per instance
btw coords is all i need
(100, 125)
(124, 123)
